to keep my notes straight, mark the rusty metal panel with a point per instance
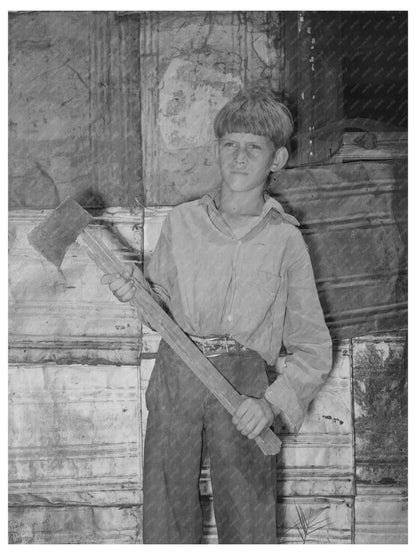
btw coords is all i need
(314, 520)
(75, 525)
(74, 435)
(319, 460)
(353, 218)
(74, 452)
(380, 407)
(305, 520)
(67, 315)
(381, 514)
(74, 89)
(191, 64)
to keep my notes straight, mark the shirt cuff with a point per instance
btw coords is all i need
(282, 397)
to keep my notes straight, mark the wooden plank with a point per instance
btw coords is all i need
(74, 436)
(74, 96)
(372, 145)
(75, 525)
(68, 316)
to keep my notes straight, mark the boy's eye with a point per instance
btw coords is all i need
(255, 147)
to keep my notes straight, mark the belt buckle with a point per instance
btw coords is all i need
(209, 347)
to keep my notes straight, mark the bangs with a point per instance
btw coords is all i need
(259, 115)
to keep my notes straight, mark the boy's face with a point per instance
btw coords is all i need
(245, 160)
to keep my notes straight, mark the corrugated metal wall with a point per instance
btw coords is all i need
(116, 111)
(75, 406)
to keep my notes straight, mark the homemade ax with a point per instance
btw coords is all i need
(69, 222)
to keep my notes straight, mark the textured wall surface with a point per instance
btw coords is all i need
(191, 65)
(353, 218)
(380, 407)
(75, 404)
(116, 111)
(74, 109)
(65, 315)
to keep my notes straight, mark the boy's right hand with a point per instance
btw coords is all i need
(121, 285)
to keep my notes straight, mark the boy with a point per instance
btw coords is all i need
(234, 272)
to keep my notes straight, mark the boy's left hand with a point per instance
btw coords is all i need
(252, 416)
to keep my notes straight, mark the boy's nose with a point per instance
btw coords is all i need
(240, 157)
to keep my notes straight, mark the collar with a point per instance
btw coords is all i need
(270, 204)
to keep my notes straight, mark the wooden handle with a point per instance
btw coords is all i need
(226, 394)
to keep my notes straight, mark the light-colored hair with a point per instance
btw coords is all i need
(256, 110)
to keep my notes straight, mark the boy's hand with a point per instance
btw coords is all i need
(253, 416)
(121, 285)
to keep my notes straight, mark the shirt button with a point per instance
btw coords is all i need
(229, 318)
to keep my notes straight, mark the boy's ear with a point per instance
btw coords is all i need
(280, 158)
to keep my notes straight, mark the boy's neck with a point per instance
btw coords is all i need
(235, 203)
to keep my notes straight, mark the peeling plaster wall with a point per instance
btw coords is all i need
(191, 65)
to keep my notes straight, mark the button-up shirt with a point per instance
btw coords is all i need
(258, 289)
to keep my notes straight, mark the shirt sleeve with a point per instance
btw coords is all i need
(306, 339)
(161, 270)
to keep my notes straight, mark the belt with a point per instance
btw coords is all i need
(219, 345)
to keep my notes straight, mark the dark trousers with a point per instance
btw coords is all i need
(183, 415)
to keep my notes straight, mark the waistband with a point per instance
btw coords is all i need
(219, 345)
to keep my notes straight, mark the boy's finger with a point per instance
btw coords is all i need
(249, 426)
(108, 278)
(128, 296)
(242, 409)
(122, 289)
(246, 422)
(257, 430)
(127, 271)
